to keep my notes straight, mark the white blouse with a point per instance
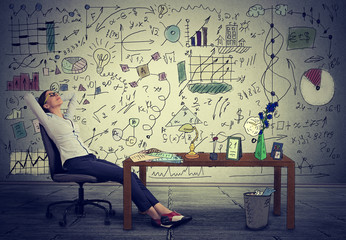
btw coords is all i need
(63, 131)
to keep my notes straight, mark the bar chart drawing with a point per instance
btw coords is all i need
(24, 83)
(200, 37)
(32, 37)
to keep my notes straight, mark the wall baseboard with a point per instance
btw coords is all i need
(185, 184)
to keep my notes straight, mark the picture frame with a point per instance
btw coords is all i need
(234, 148)
(277, 151)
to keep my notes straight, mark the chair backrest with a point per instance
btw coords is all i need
(54, 159)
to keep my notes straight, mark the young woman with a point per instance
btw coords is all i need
(77, 158)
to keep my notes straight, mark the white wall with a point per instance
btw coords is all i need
(154, 38)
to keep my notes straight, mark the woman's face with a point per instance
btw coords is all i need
(53, 100)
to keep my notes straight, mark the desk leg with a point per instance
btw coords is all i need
(143, 174)
(127, 204)
(277, 193)
(290, 197)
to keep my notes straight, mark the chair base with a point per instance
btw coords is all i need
(79, 204)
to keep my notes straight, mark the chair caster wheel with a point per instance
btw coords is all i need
(62, 223)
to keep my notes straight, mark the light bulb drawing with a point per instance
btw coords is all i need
(102, 58)
(102, 54)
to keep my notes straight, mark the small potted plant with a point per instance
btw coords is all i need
(264, 116)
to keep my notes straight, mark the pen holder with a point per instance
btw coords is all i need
(213, 156)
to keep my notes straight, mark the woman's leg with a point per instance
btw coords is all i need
(141, 196)
(107, 171)
(153, 213)
(160, 209)
(157, 209)
(134, 178)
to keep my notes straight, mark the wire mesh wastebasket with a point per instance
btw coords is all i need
(256, 210)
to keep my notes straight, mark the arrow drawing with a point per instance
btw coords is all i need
(292, 66)
(23, 64)
(75, 32)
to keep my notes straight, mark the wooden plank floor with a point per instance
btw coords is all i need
(217, 213)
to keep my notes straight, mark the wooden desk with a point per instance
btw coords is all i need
(248, 160)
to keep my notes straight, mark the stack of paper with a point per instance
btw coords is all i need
(155, 155)
(141, 156)
(165, 157)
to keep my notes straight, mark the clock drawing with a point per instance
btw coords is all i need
(317, 87)
(252, 126)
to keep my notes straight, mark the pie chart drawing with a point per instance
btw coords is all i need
(317, 87)
(73, 65)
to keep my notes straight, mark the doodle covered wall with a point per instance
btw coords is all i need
(142, 69)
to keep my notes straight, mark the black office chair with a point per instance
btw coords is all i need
(58, 174)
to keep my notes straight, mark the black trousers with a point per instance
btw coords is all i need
(107, 171)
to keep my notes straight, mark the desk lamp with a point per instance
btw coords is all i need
(188, 128)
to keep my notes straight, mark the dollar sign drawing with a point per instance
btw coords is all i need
(134, 11)
(240, 116)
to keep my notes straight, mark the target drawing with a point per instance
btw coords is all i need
(172, 33)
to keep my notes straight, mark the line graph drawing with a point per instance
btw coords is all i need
(28, 162)
(38, 8)
(211, 74)
(186, 173)
(70, 13)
